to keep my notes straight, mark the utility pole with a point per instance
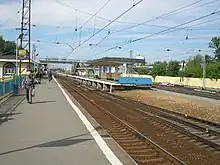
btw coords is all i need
(34, 55)
(25, 40)
(204, 71)
(131, 53)
(183, 70)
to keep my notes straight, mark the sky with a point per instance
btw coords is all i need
(56, 21)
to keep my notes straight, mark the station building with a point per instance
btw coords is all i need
(8, 65)
(112, 67)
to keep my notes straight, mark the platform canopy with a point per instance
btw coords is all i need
(115, 61)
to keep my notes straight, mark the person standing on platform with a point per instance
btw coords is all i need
(29, 86)
(50, 75)
(41, 74)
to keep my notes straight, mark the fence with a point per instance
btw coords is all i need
(7, 85)
(193, 82)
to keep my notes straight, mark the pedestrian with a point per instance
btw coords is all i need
(50, 75)
(29, 86)
(41, 74)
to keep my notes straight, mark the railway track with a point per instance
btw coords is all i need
(189, 91)
(203, 133)
(138, 146)
(201, 130)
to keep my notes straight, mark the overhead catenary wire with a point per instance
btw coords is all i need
(126, 11)
(217, 7)
(177, 29)
(102, 7)
(6, 21)
(87, 13)
(114, 30)
(182, 40)
(175, 11)
(192, 50)
(161, 32)
(174, 27)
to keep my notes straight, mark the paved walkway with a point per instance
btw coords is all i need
(49, 132)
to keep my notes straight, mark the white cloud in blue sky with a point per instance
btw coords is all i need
(55, 22)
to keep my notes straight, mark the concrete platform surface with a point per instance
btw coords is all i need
(49, 132)
(8, 105)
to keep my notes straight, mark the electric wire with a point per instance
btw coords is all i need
(161, 32)
(126, 11)
(102, 7)
(176, 11)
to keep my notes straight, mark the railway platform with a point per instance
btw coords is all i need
(124, 82)
(56, 130)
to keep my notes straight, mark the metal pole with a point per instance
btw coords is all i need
(17, 57)
(29, 58)
(34, 55)
(183, 71)
(204, 71)
(22, 32)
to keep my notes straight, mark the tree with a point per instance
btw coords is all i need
(143, 70)
(9, 46)
(6, 46)
(193, 67)
(215, 44)
(2, 43)
(159, 68)
(213, 70)
(173, 68)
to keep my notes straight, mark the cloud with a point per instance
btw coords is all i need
(50, 14)
(61, 13)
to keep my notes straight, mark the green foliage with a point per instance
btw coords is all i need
(173, 68)
(9, 46)
(159, 68)
(193, 67)
(143, 70)
(213, 70)
(6, 46)
(215, 44)
(2, 43)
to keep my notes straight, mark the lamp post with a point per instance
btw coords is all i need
(17, 53)
(17, 56)
(33, 55)
(204, 70)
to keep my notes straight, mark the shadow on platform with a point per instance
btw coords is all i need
(55, 143)
(7, 117)
(43, 102)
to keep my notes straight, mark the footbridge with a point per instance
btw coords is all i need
(60, 61)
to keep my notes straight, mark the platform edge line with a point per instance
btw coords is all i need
(112, 158)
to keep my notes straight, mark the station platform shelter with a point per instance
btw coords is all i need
(55, 130)
(111, 68)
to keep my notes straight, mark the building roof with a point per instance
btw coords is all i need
(9, 56)
(115, 60)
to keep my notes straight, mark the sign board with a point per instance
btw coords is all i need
(22, 53)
